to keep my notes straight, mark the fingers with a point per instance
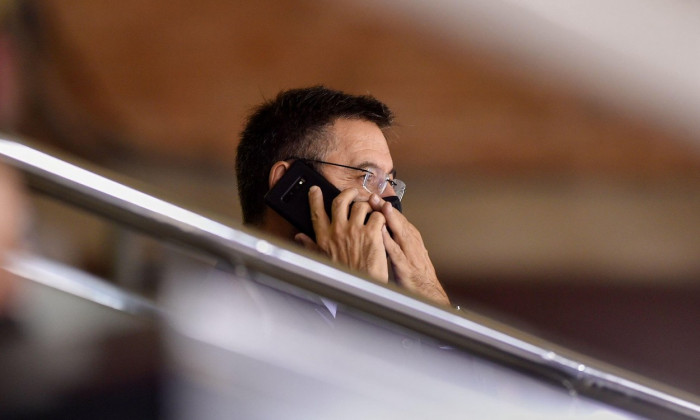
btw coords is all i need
(341, 204)
(344, 208)
(345, 237)
(392, 243)
(393, 249)
(376, 202)
(319, 218)
(396, 221)
(376, 221)
(359, 212)
(305, 241)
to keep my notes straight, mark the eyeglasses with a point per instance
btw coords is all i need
(373, 182)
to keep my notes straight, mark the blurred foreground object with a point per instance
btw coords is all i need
(11, 217)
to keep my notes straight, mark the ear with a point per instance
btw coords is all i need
(278, 169)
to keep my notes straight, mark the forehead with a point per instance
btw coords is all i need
(358, 142)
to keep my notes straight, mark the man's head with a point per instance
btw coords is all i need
(299, 123)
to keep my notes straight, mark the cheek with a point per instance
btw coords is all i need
(341, 182)
(363, 195)
(344, 183)
(389, 191)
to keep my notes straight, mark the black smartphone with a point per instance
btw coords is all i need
(290, 195)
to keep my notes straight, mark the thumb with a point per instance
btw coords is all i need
(305, 241)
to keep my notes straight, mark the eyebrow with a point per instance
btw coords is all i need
(368, 164)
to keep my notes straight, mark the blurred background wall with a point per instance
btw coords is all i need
(543, 203)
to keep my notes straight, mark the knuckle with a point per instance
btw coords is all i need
(336, 230)
(377, 217)
(338, 203)
(322, 242)
(315, 216)
(362, 206)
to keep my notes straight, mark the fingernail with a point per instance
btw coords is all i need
(374, 199)
(314, 188)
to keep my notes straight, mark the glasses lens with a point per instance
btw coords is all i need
(378, 183)
(399, 188)
(370, 183)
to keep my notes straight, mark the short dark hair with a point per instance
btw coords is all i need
(294, 124)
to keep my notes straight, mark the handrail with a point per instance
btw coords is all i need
(81, 284)
(236, 246)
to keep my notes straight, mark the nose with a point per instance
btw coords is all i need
(388, 190)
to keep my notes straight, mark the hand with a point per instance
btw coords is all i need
(409, 258)
(348, 240)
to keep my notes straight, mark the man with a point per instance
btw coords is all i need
(342, 136)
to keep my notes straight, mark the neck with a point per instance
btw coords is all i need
(276, 225)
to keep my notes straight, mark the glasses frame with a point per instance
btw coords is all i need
(398, 185)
